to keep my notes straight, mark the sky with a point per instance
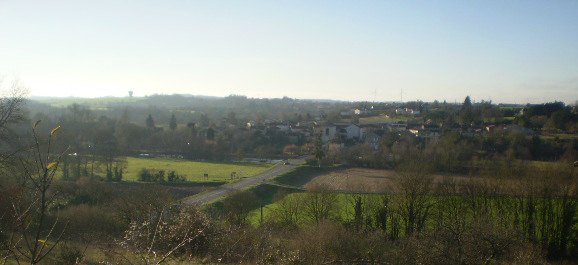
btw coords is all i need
(504, 51)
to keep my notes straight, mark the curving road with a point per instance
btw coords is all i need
(227, 189)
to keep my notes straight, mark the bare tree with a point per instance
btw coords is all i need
(238, 206)
(33, 235)
(414, 203)
(319, 204)
(11, 103)
(163, 235)
(289, 210)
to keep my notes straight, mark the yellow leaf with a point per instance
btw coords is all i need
(54, 130)
(42, 241)
(51, 165)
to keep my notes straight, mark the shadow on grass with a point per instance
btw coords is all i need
(302, 175)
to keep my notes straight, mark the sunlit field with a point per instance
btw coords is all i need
(194, 171)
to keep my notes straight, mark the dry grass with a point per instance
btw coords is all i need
(355, 180)
(363, 180)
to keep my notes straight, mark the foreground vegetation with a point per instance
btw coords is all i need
(460, 197)
(509, 212)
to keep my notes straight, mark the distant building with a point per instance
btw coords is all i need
(407, 111)
(327, 133)
(343, 131)
(397, 127)
(353, 132)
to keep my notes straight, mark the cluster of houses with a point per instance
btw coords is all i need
(352, 133)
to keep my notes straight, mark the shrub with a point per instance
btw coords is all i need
(174, 177)
(70, 255)
(165, 234)
(145, 175)
(90, 222)
(154, 175)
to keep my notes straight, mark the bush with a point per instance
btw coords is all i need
(174, 177)
(235, 244)
(332, 243)
(166, 234)
(151, 175)
(70, 255)
(85, 221)
(86, 191)
(145, 175)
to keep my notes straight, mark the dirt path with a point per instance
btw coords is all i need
(245, 183)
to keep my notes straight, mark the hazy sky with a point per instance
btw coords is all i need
(506, 51)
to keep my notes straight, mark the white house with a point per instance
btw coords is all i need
(353, 132)
(327, 133)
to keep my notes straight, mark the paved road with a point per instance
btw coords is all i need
(245, 183)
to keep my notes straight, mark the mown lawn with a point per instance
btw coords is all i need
(193, 170)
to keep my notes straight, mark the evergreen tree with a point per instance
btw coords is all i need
(466, 113)
(210, 134)
(150, 122)
(319, 154)
(173, 124)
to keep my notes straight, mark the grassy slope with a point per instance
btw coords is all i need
(300, 176)
(344, 211)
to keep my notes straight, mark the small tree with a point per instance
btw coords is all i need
(173, 123)
(32, 237)
(289, 209)
(210, 134)
(466, 112)
(319, 204)
(414, 186)
(145, 175)
(239, 205)
(319, 154)
(174, 177)
(150, 122)
(118, 172)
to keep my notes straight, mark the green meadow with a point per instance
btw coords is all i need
(509, 211)
(194, 171)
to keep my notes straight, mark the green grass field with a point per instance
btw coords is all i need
(561, 136)
(193, 170)
(501, 208)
